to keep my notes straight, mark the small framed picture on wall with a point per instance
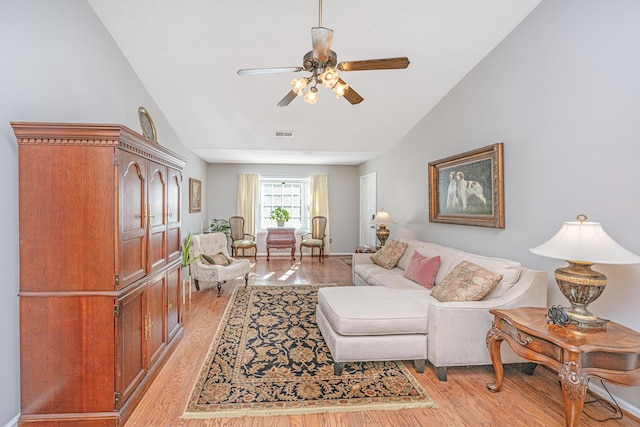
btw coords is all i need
(195, 195)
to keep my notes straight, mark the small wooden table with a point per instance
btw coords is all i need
(281, 238)
(576, 354)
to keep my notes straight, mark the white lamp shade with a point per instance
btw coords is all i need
(382, 217)
(585, 242)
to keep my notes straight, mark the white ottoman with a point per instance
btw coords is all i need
(372, 323)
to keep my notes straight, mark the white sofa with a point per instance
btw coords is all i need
(457, 330)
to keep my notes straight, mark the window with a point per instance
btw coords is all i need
(291, 194)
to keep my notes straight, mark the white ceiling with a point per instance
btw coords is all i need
(187, 53)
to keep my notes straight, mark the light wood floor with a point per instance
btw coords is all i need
(463, 400)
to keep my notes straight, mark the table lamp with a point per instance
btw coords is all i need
(583, 244)
(381, 219)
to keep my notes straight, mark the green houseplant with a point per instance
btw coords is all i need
(186, 258)
(281, 215)
(221, 225)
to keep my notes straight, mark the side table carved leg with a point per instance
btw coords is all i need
(493, 343)
(574, 388)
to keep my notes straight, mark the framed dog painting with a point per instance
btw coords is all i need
(468, 188)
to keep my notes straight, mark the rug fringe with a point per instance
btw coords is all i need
(306, 411)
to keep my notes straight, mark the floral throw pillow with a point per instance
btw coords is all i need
(389, 255)
(466, 282)
(422, 270)
(217, 259)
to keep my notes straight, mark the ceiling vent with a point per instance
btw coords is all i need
(283, 134)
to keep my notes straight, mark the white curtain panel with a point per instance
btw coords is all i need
(248, 193)
(320, 204)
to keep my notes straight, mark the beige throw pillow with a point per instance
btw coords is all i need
(466, 282)
(217, 259)
(389, 255)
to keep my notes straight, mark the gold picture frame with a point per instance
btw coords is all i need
(195, 195)
(468, 188)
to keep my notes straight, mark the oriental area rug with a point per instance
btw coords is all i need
(268, 357)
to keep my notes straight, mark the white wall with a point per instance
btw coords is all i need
(344, 191)
(562, 92)
(58, 63)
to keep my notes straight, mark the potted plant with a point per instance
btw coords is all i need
(281, 215)
(221, 225)
(187, 260)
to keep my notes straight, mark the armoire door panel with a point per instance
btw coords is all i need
(156, 328)
(174, 301)
(174, 193)
(156, 210)
(131, 364)
(133, 218)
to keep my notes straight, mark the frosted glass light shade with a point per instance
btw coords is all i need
(585, 242)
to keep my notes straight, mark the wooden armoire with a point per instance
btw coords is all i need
(100, 267)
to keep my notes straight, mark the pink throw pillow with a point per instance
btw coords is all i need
(422, 270)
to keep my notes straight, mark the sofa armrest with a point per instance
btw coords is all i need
(358, 258)
(457, 330)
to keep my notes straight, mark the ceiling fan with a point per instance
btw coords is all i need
(323, 65)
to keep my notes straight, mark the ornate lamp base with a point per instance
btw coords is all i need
(581, 285)
(382, 234)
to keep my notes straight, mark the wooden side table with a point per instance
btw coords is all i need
(365, 249)
(281, 238)
(576, 354)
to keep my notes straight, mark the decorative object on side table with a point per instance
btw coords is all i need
(148, 128)
(281, 215)
(381, 219)
(468, 188)
(583, 244)
(195, 195)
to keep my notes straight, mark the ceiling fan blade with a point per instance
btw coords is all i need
(287, 99)
(321, 38)
(249, 71)
(375, 64)
(351, 95)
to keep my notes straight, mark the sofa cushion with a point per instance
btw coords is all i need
(389, 255)
(374, 275)
(356, 310)
(467, 282)
(422, 270)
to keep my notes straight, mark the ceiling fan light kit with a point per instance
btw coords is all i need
(323, 65)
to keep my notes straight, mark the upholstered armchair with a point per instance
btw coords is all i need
(240, 239)
(213, 263)
(315, 239)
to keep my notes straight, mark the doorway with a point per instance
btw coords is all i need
(368, 190)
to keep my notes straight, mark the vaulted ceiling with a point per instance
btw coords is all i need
(187, 54)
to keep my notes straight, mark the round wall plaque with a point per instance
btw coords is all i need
(148, 128)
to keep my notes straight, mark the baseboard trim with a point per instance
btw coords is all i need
(13, 422)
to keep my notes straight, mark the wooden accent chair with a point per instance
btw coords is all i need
(240, 239)
(316, 237)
